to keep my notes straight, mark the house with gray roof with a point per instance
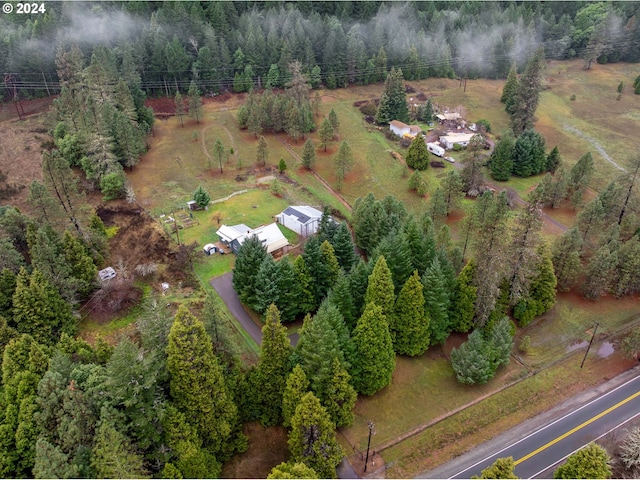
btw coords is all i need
(302, 219)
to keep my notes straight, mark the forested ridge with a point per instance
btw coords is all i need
(225, 45)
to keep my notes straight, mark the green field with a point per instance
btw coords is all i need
(423, 388)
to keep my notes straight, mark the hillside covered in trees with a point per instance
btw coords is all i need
(233, 45)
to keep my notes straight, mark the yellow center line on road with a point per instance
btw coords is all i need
(565, 435)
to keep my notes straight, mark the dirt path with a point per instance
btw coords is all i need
(203, 136)
(338, 197)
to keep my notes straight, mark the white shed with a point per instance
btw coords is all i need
(301, 219)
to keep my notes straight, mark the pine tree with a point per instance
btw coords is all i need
(566, 258)
(409, 324)
(436, 295)
(333, 120)
(113, 455)
(330, 314)
(318, 270)
(599, 272)
(47, 210)
(418, 156)
(579, 177)
(343, 163)
(452, 188)
(527, 95)
(510, 89)
(297, 386)
(325, 133)
(375, 359)
(358, 281)
(312, 439)
(195, 101)
(380, 289)
(393, 102)
(397, 254)
(528, 154)
(305, 300)
(470, 361)
(463, 299)
(591, 220)
(38, 309)
(343, 247)
(309, 154)
(501, 161)
(262, 153)
(316, 349)
(553, 160)
(197, 385)
(627, 274)
(542, 291)
(274, 367)
(330, 261)
(340, 296)
(421, 245)
(267, 289)
(218, 153)
(248, 261)
(81, 266)
(341, 396)
(201, 197)
(180, 106)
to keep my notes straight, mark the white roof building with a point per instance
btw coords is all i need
(402, 129)
(235, 235)
(302, 219)
(452, 138)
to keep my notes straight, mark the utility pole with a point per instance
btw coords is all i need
(590, 342)
(371, 432)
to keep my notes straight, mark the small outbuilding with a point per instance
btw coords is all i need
(302, 219)
(107, 274)
(403, 130)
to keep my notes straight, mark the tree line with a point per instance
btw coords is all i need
(231, 45)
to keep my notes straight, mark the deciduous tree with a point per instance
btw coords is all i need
(591, 461)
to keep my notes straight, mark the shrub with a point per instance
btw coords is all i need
(525, 344)
(282, 165)
(485, 123)
(276, 187)
(112, 186)
(391, 136)
(436, 164)
(369, 109)
(457, 147)
(620, 87)
(573, 97)
(405, 142)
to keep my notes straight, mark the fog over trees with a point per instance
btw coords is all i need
(225, 45)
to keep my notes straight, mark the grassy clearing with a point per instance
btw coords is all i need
(484, 420)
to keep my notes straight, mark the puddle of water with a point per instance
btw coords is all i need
(577, 346)
(605, 350)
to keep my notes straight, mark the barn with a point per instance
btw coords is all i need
(301, 219)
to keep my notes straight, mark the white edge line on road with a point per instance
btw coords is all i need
(547, 426)
(597, 438)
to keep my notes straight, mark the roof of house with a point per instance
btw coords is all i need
(303, 213)
(228, 234)
(448, 116)
(453, 137)
(398, 124)
(414, 128)
(271, 237)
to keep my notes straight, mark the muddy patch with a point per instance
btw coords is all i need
(606, 350)
(577, 346)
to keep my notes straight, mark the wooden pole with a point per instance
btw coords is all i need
(589, 347)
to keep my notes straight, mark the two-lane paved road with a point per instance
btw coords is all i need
(537, 453)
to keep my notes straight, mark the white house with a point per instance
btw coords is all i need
(301, 219)
(443, 117)
(402, 129)
(436, 149)
(453, 138)
(234, 236)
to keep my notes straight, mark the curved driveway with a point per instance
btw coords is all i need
(224, 286)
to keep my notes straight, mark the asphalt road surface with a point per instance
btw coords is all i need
(224, 286)
(539, 445)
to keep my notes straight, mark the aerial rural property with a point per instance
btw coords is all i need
(320, 239)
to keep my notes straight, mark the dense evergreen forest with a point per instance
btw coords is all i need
(171, 401)
(224, 45)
